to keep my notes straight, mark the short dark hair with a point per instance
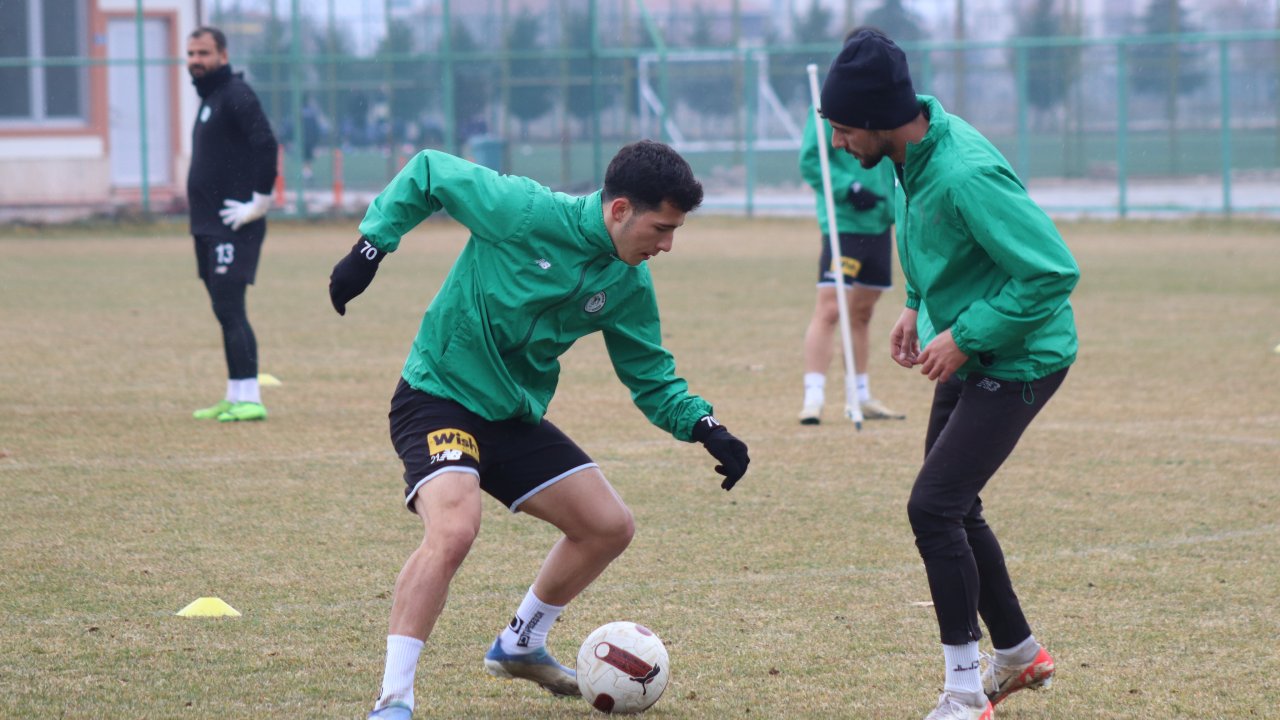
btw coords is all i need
(219, 38)
(648, 172)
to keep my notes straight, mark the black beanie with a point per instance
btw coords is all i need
(869, 85)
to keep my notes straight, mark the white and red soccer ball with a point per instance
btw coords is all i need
(622, 668)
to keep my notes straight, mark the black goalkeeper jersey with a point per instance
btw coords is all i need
(233, 152)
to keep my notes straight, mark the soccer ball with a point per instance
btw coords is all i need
(622, 668)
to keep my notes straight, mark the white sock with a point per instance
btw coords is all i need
(245, 390)
(815, 385)
(1020, 654)
(397, 679)
(962, 668)
(528, 630)
(864, 387)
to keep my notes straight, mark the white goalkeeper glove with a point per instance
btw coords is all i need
(237, 214)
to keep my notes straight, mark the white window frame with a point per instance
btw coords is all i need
(39, 112)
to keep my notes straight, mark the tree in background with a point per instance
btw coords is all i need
(1170, 69)
(269, 69)
(581, 101)
(408, 87)
(473, 85)
(342, 74)
(1052, 73)
(1053, 70)
(787, 73)
(529, 96)
(903, 27)
(706, 87)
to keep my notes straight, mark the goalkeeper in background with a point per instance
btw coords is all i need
(540, 270)
(233, 167)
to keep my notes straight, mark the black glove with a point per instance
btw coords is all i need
(353, 274)
(861, 198)
(723, 446)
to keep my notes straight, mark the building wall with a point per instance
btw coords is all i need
(68, 162)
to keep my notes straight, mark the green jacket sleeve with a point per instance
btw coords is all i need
(810, 165)
(1023, 243)
(492, 206)
(649, 371)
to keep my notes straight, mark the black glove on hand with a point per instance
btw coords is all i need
(861, 198)
(353, 274)
(723, 446)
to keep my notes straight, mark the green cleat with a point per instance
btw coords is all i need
(243, 411)
(212, 412)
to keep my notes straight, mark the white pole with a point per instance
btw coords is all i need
(852, 408)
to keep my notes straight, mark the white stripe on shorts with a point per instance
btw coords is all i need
(452, 468)
(515, 506)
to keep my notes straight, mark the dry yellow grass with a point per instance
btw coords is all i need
(1141, 512)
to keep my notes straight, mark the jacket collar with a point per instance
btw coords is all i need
(591, 222)
(205, 86)
(939, 127)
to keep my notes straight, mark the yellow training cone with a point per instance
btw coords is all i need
(268, 380)
(209, 607)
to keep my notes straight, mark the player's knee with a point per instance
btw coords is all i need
(616, 529)
(860, 316)
(452, 542)
(828, 313)
(924, 514)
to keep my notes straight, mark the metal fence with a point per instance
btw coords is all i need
(1108, 126)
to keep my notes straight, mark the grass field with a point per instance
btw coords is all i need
(1141, 512)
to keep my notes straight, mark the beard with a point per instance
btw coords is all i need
(882, 150)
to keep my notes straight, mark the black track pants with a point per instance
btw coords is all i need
(973, 427)
(238, 341)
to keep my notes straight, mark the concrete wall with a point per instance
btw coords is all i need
(68, 163)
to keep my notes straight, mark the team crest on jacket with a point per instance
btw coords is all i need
(595, 303)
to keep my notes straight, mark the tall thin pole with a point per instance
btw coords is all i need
(597, 152)
(139, 21)
(446, 46)
(1122, 127)
(295, 100)
(1224, 75)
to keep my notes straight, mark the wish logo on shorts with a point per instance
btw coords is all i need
(452, 444)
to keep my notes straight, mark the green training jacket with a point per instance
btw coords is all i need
(980, 257)
(538, 272)
(845, 170)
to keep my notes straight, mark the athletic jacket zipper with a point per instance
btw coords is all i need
(533, 324)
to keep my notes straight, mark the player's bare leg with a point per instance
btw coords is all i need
(862, 303)
(449, 506)
(817, 354)
(597, 527)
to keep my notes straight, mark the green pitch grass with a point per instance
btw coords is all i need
(1140, 514)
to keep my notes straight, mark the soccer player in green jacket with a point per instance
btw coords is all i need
(988, 279)
(864, 202)
(540, 270)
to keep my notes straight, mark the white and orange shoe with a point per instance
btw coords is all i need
(1001, 681)
(954, 705)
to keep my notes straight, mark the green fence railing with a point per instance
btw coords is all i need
(1109, 126)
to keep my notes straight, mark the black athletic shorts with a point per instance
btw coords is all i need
(234, 258)
(867, 261)
(513, 459)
